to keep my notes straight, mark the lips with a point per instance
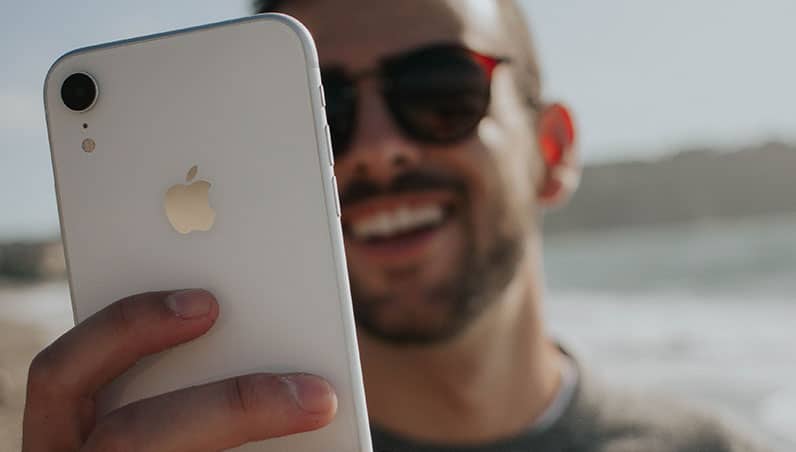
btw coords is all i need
(392, 226)
(400, 221)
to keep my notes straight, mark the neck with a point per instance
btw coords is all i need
(492, 381)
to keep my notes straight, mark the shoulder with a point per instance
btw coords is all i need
(625, 421)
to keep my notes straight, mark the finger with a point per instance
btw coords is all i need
(219, 415)
(62, 379)
(109, 342)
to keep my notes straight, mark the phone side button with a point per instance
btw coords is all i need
(328, 135)
(336, 196)
(323, 95)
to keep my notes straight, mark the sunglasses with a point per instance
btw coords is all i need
(436, 94)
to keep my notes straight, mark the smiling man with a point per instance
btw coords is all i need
(446, 157)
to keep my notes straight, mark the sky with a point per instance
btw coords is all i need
(643, 77)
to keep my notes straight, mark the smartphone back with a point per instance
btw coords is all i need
(220, 128)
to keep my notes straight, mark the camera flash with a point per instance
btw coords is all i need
(88, 145)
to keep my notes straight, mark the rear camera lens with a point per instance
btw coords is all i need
(79, 92)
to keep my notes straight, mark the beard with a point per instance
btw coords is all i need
(472, 287)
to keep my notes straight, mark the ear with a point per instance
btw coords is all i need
(556, 132)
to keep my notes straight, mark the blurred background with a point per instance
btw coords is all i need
(673, 268)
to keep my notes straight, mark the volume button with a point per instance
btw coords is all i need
(336, 196)
(323, 95)
(328, 136)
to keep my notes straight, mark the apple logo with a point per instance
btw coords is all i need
(188, 205)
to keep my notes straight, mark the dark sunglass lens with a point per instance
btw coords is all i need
(438, 96)
(341, 103)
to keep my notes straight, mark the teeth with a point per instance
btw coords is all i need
(398, 221)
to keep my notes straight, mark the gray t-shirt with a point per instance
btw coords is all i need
(595, 418)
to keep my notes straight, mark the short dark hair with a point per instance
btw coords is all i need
(525, 66)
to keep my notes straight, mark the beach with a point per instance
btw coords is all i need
(704, 313)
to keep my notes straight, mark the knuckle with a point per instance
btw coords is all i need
(247, 394)
(113, 434)
(43, 371)
(121, 318)
(248, 398)
(235, 390)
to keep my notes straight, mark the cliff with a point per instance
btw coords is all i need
(694, 185)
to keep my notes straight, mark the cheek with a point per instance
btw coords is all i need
(473, 165)
(501, 166)
(506, 153)
(510, 165)
(509, 134)
(490, 209)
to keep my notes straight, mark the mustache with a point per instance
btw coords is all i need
(409, 182)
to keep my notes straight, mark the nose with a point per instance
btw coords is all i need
(379, 151)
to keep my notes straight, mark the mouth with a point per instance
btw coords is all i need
(398, 227)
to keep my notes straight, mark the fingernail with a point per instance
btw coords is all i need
(311, 393)
(190, 304)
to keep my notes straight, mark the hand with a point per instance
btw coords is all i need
(64, 377)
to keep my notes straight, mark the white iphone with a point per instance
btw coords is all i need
(201, 158)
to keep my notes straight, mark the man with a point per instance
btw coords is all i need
(446, 157)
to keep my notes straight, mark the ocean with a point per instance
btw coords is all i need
(702, 312)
